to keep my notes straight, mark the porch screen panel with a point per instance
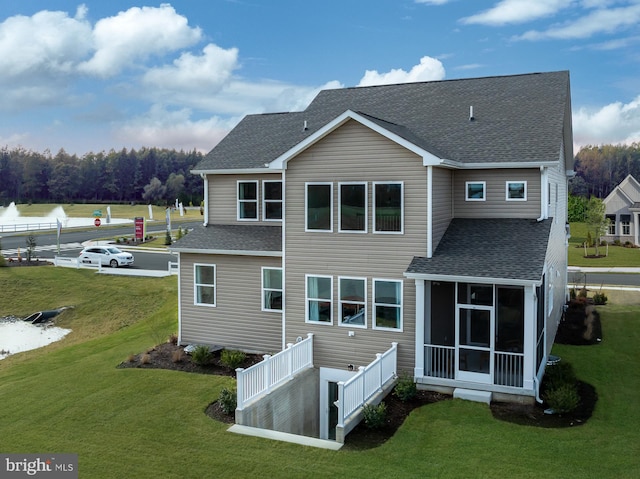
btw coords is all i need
(510, 320)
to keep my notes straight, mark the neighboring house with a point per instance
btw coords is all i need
(622, 208)
(427, 214)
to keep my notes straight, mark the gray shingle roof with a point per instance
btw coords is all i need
(232, 238)
(518, 118)
(489, 248)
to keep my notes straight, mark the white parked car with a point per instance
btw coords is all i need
(106, 256)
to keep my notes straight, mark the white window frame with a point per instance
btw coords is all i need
(265, 200)
(374, 325)
(307, 298)
(524, 183)
(366, 206)
(361, 303)
(306, 207)
(241, 201)
(484, 190)
(197, 285)
(625, 227)
(373, 215)
(611, 228)
(265, 290)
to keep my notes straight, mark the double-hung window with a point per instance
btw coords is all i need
(319, 299)
(353, 300)
(625, 224)
(272, 200)
(611, 226)
(353, 207)
(319, 207)
(516, 191)
(272, 289)
(475, 190)
(388, 215)
(204, 287)
(387, 304)
(247, 200)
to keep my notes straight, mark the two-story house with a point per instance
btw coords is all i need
(427, 214)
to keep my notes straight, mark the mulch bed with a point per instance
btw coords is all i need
(164, 357)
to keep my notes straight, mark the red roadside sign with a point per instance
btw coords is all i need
(96, 222)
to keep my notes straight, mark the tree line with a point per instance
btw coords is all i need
(149, 175)
(599, 169)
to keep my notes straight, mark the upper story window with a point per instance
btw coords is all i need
(516, 191)
(272, 289)
(388, 212)
(272, 200)
(475, 190)
(353, 300)
(247, 200)
(387, 304)
(319, 299)
(353, 207)
(204, 287)
(319, 207)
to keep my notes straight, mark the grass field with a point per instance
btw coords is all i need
(616, 255)
(70, 397)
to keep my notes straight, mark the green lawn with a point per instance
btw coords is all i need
(616, 255)
(70, 397)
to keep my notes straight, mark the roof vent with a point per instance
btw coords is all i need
(471, 117)
(304, 127)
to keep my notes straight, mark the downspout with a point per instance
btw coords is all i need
(206, 199)
(544, 194)
(283, 262)
(537, 388)
(429, 211)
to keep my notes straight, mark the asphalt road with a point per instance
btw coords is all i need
(71, 244)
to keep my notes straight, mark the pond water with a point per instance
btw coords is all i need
(17, 335)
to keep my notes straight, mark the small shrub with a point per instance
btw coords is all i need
(178, 356)
(232, 358)
(131, 358)
(600, 298)
(374, 416)
(173, 338)
(145, 358)
(228, 400)
(617, 242)
(201, 355)
(563, 399)
(573, 294)
(167, 239)
(179, 234)
(406, 388)
(558, 375)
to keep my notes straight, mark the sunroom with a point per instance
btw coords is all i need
(481, 308)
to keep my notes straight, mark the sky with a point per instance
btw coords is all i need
(95, 76)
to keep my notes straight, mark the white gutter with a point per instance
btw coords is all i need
(206, 199)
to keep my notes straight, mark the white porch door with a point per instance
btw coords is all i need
(475, 333)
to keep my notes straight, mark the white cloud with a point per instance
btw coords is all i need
(599, 21)
(517, 11)
(174, 129)
(613, 123)
(428, 69)
(135, 35)
(206, 73)
(433, 2)
(47, 43)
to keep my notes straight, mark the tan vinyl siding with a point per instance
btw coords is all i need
(223, 198)
(237, 321)
(556, 260)
(353, 153)
(442, 203)
(496, 205)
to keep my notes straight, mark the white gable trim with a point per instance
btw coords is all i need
(280, 163)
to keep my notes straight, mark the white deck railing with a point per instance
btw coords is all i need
(262, 378)
(371, 379)
(75, 262)
(509, 369)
